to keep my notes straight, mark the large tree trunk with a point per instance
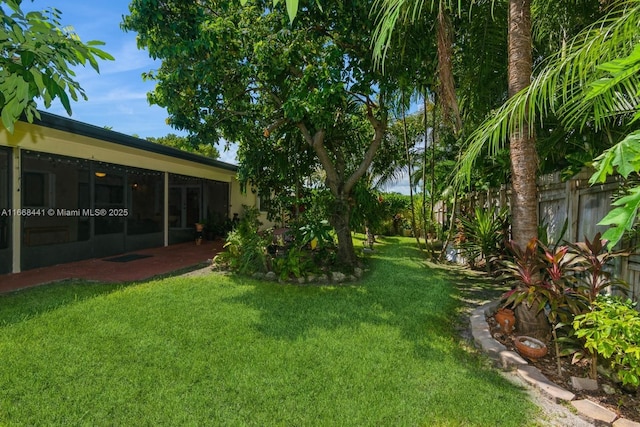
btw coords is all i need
(340, 220)
(524, 160)
(340, 185)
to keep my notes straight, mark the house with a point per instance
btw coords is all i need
(72, 191)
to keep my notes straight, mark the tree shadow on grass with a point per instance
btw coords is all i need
(23, 304)
(401, 291)
(400, 297)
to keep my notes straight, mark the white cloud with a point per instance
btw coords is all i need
(129, 58)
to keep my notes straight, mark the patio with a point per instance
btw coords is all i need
(139, 265)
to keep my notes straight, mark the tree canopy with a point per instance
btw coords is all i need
(36, 60)
(185, 144)
(246, 73)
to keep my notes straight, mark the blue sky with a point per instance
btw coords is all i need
(118, 95)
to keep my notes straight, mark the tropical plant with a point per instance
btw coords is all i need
(532, 288)
(624, 158)
(37, 56)
(612, 331)
(246, 247)
(483, 235)
(295, 262)
(592, 276)
(319, 232)
(560, 282)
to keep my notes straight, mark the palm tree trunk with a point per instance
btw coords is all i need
(447, 87)
(524, 159)
(425, 223)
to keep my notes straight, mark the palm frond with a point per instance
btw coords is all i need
(387, 13)
(561, 85)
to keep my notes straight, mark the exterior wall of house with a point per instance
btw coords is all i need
(71, 191)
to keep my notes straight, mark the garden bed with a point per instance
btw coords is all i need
(624, 402)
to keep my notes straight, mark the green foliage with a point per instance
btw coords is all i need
(246, 247)
(187, 144)
(592, 277)
(293, 95)
(564, 87)
(482, 235)
(320, 231)
(566, 279)
(624, 157)
(388, 216)
(543, 277)
(612, 331)
(37, 56)
(367, 207)
(313, 246)
(292, 7)
(295, 262)
(563, 280)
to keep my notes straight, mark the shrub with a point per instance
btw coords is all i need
(319, 231)
(483, 235)
(592, 275)
(295, 262)
(246, 247)
(612, 331)
(565, 281)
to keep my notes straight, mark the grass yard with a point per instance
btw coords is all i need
(219, 350)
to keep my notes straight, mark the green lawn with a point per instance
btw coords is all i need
(219, 350)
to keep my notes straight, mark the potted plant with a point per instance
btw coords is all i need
(199, 232)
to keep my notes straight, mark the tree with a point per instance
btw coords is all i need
(36, 60)
(280, 169)
(185, 144)
(593, 83)
(522, 148)
(246, 73)
(292, 6)
(388, 12)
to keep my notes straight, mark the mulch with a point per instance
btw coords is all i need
(625, 401)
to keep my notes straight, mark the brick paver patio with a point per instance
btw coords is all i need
(162, 260)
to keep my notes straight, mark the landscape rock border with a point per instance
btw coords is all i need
(510, 360)
(332, 277)
(329, 278)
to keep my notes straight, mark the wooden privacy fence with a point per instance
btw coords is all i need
(582, 206)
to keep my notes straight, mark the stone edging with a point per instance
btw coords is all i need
(510, 360)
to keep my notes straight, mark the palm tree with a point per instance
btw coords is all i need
(523, 154)
(594, 81)
(388, 12)
(522, 148)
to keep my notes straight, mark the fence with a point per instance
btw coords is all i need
(582, 206)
